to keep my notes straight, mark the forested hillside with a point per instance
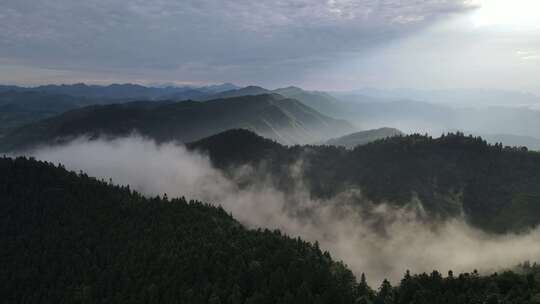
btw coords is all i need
(68, 238)
(495, 187)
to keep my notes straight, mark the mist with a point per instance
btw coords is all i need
(379, 240)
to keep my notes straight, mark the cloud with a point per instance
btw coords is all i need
(200, 38)
(528, 55)
(380, 240)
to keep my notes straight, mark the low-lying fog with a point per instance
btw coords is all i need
(351, 233)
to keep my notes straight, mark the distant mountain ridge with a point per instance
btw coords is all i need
(364, 109)
(320, 101)
(24, 105)
(18, 108)
(238, 92)
(123, 91)
(350, 141)
(457, 97)
(287, 121)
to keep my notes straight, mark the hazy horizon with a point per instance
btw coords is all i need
(336, 45)
(358, 90)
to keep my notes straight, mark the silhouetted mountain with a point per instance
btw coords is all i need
(367, 112)
(217, 88)
(18, 108)
(285, 120)
(438, 117)
(364, 112)
(69, 238)
(189, 94)
(237, 147)
(495, 187)
(247, 91)
(363, 137)
(320, 101)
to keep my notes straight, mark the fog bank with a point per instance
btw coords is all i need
(380, 240)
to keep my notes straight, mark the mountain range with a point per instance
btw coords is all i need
(68, 237)
(20, 106)
(285, 120)
(126, 91)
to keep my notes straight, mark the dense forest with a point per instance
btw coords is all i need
(69, 238)
(496, 187)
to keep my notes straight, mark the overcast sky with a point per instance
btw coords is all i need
(317, 44)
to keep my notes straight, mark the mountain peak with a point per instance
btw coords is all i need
(252, 87)
(290, 89)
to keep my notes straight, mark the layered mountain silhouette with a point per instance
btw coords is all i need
(287, 121)
(20, 107)
(239, 92)
(350, 141)
(126, 91)
(320, 101)
(364, 109)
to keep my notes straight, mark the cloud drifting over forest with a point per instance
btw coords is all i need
(380, 240)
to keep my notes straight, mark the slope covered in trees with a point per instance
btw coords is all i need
(68, 238)
(508, 287)
(495, 187)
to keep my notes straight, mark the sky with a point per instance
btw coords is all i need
(316, 44)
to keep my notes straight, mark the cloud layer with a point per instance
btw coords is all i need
(205, 38)
(379, 240)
